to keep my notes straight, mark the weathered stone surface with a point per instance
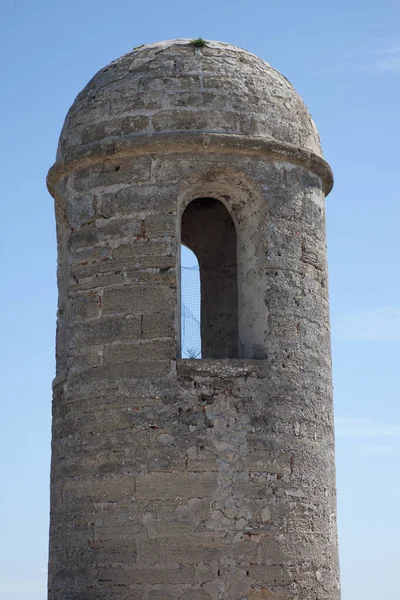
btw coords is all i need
(137, 299)
(244, 95)
(178, 479)
(107, 330)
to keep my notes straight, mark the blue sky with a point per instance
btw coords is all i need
(344, 59)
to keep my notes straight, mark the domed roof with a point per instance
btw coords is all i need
(176, 87)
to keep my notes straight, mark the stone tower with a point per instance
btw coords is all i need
(177, 479)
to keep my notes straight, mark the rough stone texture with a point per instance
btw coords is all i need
(179, 479)
(171, 86)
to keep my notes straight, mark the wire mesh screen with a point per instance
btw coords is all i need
(190, 312)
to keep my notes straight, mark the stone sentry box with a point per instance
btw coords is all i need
(178, 479)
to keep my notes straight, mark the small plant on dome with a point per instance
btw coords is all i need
(199, 43)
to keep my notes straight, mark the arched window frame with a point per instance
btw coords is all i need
(241, 196)
(207, 229)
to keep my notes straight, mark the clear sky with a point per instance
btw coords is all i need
(344, 59)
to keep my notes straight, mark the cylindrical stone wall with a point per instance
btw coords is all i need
(176, 479)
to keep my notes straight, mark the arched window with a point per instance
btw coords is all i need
(208, 230)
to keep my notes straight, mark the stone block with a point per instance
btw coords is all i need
(158, 325)
(107, 489)
(204, 120)
(91, 255)
(115, 229)
(126, 126)
(153, 350)
(80, 210)
(262, 593)
(141, 574)
(133, 199)
(160, 595)
(107, 330)
(135, 250)
(83, 237)
(84, 306)
(147, 274)
(97, 281)
(137, 299)
(194, 594)
(270, 575)
(113, 172)
(176, 485)
(199, 547)
(260, 461)
(129, 370)
(160, 225)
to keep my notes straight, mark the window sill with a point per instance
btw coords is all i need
(221, 367)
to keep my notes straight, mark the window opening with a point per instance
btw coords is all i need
(208, 231)
(190, 305)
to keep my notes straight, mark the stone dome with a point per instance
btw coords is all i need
(174, 87)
